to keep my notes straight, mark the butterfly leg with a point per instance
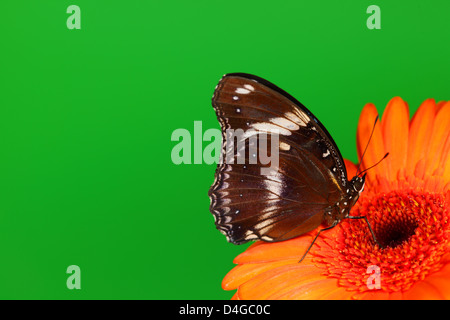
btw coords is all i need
(315, 238)
(370, 228)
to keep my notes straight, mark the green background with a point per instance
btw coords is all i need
(86, 118)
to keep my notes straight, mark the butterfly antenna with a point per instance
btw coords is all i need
(373, 129)
(375, 163)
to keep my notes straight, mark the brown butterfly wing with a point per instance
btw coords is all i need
(310, 177)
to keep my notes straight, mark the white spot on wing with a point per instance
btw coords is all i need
(284, 146)
(273, 187)
(263, 224)
(300, 120)
(270, 127)
(242, 91)
(249, 87)
(283, 122)
(249, 235)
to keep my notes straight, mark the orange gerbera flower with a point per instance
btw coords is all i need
(406, 200)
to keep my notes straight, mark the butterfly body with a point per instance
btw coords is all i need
(341, 209)
(307, 187)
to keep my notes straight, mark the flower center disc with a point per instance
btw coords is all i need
(413, 228)
(394, 221)
(396, 233)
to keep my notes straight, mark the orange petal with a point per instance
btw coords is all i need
(419, 171)
(441, 130)
(312, 289)
(396, 295)
(395, 126)
(440, 281)
(271, 284)
(423, 291)
(351, 168)
(375, 151)
(443, 169)
(267, 252)
(420, 131)
(338, 293)
(244, 272)
(446, 164)
(440, 104)
(372, 295)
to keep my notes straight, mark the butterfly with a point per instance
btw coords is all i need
(308, 186)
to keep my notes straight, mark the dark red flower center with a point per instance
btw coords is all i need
(398, 226)
(412, 227)
(395, 233)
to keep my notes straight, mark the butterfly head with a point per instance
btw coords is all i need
(356, 186)
(357, 183)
